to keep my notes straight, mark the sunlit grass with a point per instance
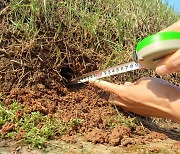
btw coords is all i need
(116, 24)
(37, 127)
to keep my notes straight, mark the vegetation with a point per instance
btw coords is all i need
(34, 128)
(108, 27)
(119, 120)
(67, 33)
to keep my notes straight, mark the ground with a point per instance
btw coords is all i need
(109, 128)
(45, 44)
(167, 146)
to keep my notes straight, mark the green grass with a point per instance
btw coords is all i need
(119, 120)
(112, 26)
(38, 128)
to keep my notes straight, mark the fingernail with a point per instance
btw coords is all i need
(93, 81)
(162, 70)
(128, 83)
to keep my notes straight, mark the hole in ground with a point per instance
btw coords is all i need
(67, 73)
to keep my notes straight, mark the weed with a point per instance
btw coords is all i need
(115, 121)
(38, 127)
(5, 114)
(1, 97)
(74, 123)
(119, 120)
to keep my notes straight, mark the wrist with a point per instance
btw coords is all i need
(176, 118)
(175, 112)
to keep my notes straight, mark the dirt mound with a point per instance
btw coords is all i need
(124, 136)
(78, 103)
(86, 103)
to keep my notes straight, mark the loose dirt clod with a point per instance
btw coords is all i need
(154, 136)
(20, 135)
(7, 127)
(118, 134)
(97, 136)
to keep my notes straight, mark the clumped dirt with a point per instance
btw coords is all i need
(20, 135)
(7, 127)
(87, 103)
(123, 136)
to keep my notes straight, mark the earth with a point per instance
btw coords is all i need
(35, 73)
(167, 146)
(93, 134)
(42, 87)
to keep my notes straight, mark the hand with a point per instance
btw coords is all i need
(147, 97)
(171, 63)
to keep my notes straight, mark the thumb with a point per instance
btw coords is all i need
(169, 64)
(107, 86)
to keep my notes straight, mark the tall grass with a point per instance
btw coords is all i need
(118, 24)
(115, 25)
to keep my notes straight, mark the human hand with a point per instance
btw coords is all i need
(171, 63)
(147, 97)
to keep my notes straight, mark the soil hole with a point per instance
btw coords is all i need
(66, 72)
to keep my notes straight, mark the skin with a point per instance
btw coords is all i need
(150, 97)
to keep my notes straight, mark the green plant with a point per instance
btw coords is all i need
(7, 115)
(38, 127)
(118, 24)
(119, 120)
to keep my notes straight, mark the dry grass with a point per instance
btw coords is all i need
(39, 37)
(49, 41)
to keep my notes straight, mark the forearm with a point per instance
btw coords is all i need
(175, 104)
(175, 115)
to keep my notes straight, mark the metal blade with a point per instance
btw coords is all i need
(122, 68)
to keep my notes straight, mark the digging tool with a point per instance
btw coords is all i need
(148, 52)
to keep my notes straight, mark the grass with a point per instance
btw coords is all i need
(114, 25)
(106, 31)
(37, 128)
(119, 120)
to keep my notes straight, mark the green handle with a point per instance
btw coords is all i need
(156, 47)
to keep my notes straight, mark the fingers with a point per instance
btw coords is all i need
(128, 83)
(173, 27)
(169, 64)
(114, 99)
(172, 62)
(107, 86)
